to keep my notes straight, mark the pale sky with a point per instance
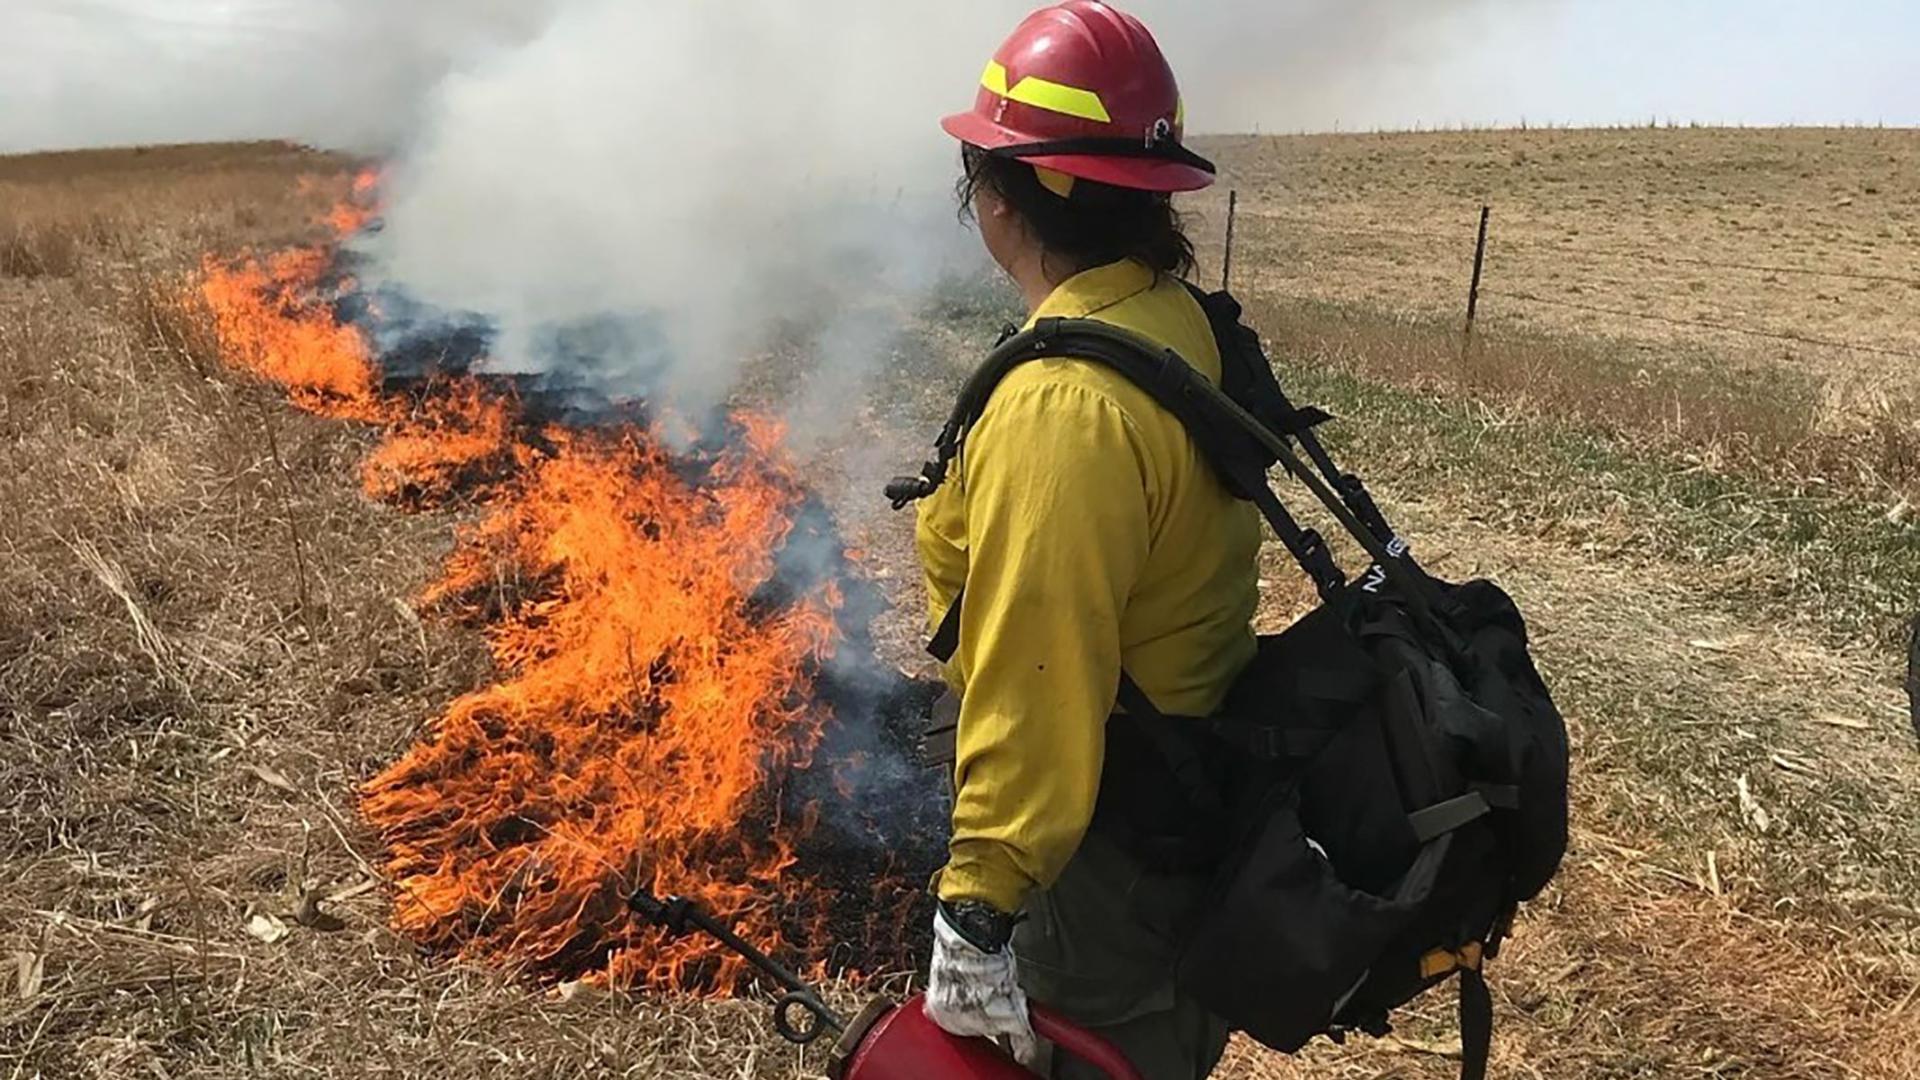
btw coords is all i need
(1607, 61)
(354, 72)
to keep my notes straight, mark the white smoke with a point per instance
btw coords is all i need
(1318, 65)
(711, 174)
(342, 73)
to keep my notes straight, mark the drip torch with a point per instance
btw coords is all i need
(888, 1040)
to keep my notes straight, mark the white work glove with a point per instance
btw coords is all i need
(970, 992)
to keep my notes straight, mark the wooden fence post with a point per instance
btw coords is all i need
(1226, 262)
(1479, 263)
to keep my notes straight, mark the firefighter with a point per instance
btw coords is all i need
(1081, 534)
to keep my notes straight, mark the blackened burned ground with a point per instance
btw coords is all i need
(880, 832)
(880, 813)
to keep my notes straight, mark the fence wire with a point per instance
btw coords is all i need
(1496, 243)
(1703, 324)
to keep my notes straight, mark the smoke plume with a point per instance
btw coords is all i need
(350, 74)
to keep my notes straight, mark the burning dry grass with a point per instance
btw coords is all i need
(654, 699)
(209, 643)
(182, 712)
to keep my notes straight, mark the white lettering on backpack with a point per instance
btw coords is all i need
(1376, 574)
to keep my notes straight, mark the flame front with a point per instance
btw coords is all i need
(269, 323)
(650, 695)
(645, 707)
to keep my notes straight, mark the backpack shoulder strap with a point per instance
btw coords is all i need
(1239, 460)
(1238, 444)
(1247, 377)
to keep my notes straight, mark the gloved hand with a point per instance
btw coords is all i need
(974, 992)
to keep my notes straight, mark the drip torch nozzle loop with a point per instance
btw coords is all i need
(677, 914)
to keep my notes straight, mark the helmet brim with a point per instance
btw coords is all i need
(1140, 174)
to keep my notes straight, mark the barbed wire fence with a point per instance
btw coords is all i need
(1484, 282)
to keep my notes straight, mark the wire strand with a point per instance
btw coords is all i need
(1704, 324)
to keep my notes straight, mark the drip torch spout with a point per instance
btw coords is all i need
(678, 915)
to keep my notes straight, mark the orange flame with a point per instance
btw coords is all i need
(645, 708)
(360, 206)
(455, 438)
(648, 698)
(269, 325)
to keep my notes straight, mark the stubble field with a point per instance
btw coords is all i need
(207, 637)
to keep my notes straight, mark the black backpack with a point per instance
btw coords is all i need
(1387, 780)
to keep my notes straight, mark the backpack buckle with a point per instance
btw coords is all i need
(1446, 961)
(1317, 560)
(1272, 744)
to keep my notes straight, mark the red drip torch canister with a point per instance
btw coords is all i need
(887, 1041)
(891, 1041)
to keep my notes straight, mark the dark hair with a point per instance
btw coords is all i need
(1095, 225)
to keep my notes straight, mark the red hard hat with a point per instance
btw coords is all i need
(1083, 89)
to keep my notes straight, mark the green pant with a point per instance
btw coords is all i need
(1100, 947)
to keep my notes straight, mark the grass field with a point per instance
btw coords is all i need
(206, 638)
(1802, 232)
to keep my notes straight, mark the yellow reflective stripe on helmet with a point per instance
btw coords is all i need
(1043, 94)
(995, 77)
(1180, 112)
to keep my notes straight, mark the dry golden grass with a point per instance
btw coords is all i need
(186, 701)
(205, 643)
(1661, 222)
(1728, 415)
(1608, 252)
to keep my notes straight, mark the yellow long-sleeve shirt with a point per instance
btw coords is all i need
(1088, 533)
